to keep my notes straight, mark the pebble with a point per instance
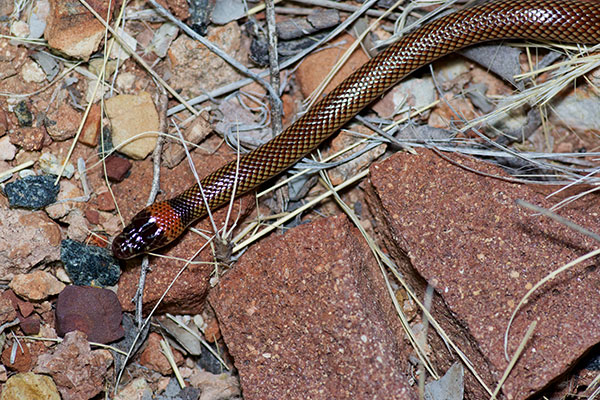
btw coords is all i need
(79, 373)
(130, 116)
(29, 386)
(17, 357)
(74, 31)
(24, 116)
(154, 358)
(32, 72)
(91, 128)
(63, 123)
(32, 192)
(28, 138)
(8, 151)
(68, 190)
(88, 265)
(117, 168)
(3, 122)
(93, 311)
(50, 165)
(37, 285)
(136, 389)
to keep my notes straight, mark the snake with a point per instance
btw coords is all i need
(569, 21)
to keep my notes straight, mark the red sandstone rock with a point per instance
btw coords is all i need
(306, 315)
(464, 234)
(153, 357)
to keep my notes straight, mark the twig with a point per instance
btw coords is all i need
(276, 107)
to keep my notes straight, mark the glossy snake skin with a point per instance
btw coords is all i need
(572, 21)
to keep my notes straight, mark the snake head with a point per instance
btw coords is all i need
(144, 233)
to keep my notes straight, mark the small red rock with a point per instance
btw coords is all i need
(30, 139)
(22, 361)
(30, 325)
(26, 308)
(105, 202)
(117, 167)
(153, 357)
(92, 216)
(7, 310)
(93, 311)
(91, 128)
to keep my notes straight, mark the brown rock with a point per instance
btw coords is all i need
(26, 239)
(7, 309)
(26, 308)
(92, 216)
(464, 235)
(117, 167)
(30, 325)
(93, 311)
(307, 315)
(188, 294)
(73, 30)
(22, 361)
(79, 373)
(130, 116)
(62, 123)
(444, 114)
(153, 357)
(313, 70)
(215, 386)
(37, 285)
(105, 201)
(29, 138)
(91, 127)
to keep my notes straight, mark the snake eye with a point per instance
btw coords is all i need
(141, 235)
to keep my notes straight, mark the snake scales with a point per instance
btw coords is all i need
(573, 21)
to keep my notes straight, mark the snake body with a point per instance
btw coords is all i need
(572, 21)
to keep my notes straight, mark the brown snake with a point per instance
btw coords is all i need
(573, 21)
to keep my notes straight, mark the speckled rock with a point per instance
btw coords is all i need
(306, 315)
(29, 386)
(463, 234)
(33, 192)
(88, 265)
(87, 370)
(93, 311)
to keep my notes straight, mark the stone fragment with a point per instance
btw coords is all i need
(91, 127)
(444, 115)
(117, 168)
(23, 114)
(77, 229)
(93, 311)
(464, 235)
(130, 116)
(50, 165)
(32, 192)
(25, 308)
(26, 239)
(7, 310)
(60, 209)
(29, 386)
(221, 386)
(73, 30)
(21, 362)
(415, 93)
(136, 389)
(307, 315)
(63, 122)
(7, 150)
(30, 325)
(92, 216)
(32, 72)
(153, 357)
(294, 28)
(29, 138)
(87, 370)
(88, 265)
(197, 70)
(37, 285)
(6, 7)
(194, 133)
(105, 201)
(313, 70)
